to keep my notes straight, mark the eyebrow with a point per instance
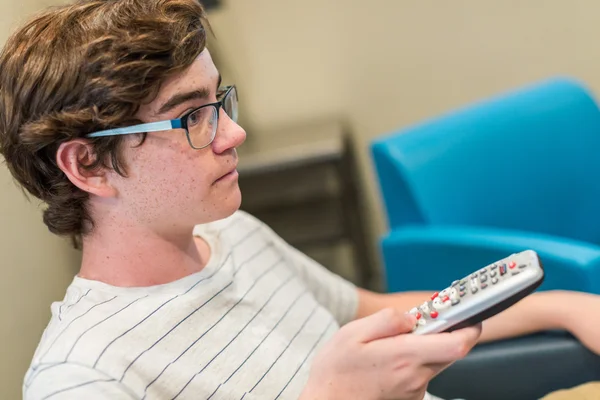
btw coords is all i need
(180, 98)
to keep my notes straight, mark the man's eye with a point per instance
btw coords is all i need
(193, 118)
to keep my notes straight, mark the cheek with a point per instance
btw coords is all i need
(168, 176)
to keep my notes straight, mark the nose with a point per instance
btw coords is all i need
(229, 134)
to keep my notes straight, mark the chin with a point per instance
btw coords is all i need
(225, 207)
(235, 198)
(232, 204)
(220, 205)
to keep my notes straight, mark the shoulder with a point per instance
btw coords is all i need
(71, 318)
(62, 353)
(69, 380)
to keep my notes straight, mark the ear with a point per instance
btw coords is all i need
(72, 158)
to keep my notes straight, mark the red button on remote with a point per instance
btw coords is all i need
(445, 299)
(433, 314)
(418, 315)
(433, 296)
(512, 264)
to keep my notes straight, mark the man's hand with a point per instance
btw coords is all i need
(374, 358)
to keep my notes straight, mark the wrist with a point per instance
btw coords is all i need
(556, 308)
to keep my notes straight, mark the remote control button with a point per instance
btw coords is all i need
(522, 266)
(414, 310)
(494, 267)
(434, 314)
(440, 304)
(493, 274)
(515, 272)
(433, 296)
(473, 289)
(455, 302)
(462, 293)
(453, 294)
(512, 264)
(474, 283)
(494, 281)
(462, 287)
(502, 269)
(418, 315)
(484, 285)
(444, 293)
(421, 322)
(482, 271)
(463, 282)
(455, 283)
(425, 308)
(474, 275)
(483, 278)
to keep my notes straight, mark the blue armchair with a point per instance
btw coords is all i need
(514, 172)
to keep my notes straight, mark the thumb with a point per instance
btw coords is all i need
(385, 323)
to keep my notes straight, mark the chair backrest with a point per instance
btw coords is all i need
(528, 159)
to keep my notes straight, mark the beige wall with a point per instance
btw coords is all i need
(380, 64)
(383, 64)
(36, 267)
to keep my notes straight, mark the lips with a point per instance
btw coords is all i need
(227, 173)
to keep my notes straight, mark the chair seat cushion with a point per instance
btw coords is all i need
(525, 368)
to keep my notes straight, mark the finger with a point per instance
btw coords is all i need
(450, 347)
(443, 347)
(385, 323)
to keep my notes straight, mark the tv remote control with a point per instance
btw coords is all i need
(480, 295)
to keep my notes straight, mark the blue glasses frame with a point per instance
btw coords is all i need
(178, 123)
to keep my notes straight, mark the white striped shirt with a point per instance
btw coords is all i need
(245, 327)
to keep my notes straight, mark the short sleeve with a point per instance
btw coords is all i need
(68, 381)
(333, 292)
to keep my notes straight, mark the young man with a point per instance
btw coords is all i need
(112, 113)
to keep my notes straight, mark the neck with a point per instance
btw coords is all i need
(132, 255)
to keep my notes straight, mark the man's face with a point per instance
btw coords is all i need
(169, 185)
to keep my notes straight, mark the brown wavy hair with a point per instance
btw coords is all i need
(80, 68)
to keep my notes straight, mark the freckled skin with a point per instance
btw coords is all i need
(144, 226)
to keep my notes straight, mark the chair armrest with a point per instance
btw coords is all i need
(526, 368)
(429, 258)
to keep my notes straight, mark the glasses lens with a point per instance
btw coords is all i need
(202, 126)
(230, 104)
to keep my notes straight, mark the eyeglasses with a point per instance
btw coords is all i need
(200, 124)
